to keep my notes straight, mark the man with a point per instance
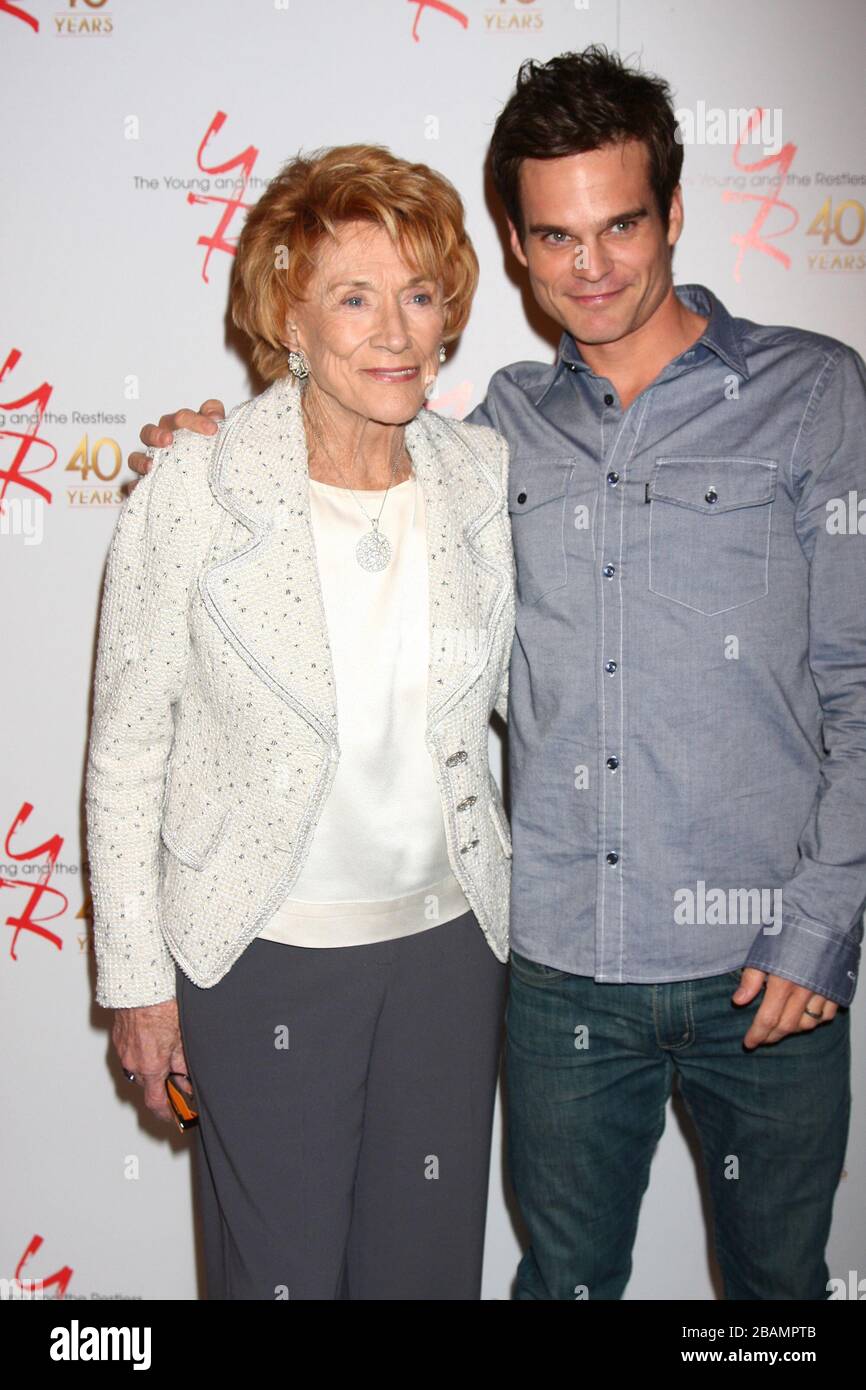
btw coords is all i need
(687, 713)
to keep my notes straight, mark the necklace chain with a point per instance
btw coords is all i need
(373, 550)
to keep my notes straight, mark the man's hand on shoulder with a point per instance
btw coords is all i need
(161, 436)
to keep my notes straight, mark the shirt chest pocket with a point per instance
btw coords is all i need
(537, 491)
(709, 530)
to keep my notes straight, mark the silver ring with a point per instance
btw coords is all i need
(812, 1014)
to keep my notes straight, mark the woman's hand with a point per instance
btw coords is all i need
(161, 436)
(148, 1042)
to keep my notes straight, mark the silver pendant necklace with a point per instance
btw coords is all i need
(373, 550)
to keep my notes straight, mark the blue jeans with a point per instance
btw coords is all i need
(590, 1069)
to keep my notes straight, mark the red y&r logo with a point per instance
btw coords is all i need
(753, 239)
(14, 474)
(439, 5)
(60, 1277)
(6, 7)
(246, 161)
(26, 921)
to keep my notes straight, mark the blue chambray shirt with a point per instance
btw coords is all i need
(687, 688)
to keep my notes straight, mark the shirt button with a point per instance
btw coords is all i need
(613, 479)
(521, 496)
(711, 495)
(572, 366)
(610, 667)
(609, 571)
(608, 398)
(613, 763)
(612, 857)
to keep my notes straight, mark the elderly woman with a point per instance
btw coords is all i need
(299, 858)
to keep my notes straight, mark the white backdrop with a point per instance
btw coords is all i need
(116, 247)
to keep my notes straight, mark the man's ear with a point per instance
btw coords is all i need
(515, 242)
(675, 217)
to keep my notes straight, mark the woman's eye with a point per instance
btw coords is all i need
(423, 295)
(353, 299)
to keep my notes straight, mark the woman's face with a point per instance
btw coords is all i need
(370, 326)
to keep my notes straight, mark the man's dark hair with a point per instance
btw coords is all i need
(578, 102)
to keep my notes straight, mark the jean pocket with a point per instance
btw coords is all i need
(532, 972)
(537, 490)
(709, 530)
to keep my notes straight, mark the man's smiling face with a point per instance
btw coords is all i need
(597, 250)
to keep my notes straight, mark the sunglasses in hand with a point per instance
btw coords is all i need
(185, 1114)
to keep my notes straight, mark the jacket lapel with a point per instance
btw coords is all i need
(262, 588)
(466, 590)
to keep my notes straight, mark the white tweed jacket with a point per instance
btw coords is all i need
(215, 738)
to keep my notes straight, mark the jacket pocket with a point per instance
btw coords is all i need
(709, 530)
(497, 815)
(537, 491)
(192, 827)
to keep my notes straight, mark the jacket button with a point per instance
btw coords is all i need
(613, 479)
(455, 758)
(466, 803)
(609, 571)
(711, 495)
(612, 857)
(521, 496)
(610, 667)
(613, 763)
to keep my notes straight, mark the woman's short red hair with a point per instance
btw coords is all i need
(306, 201)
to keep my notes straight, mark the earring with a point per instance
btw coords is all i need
(442, 353)
(298, 364)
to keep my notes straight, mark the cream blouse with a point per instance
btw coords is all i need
(378, 864)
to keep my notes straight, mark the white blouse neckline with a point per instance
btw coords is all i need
(362, 491)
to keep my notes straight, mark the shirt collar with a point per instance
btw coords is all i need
(720, 336)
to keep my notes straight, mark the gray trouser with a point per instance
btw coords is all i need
(346, 1098)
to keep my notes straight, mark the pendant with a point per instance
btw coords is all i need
(373, 550)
